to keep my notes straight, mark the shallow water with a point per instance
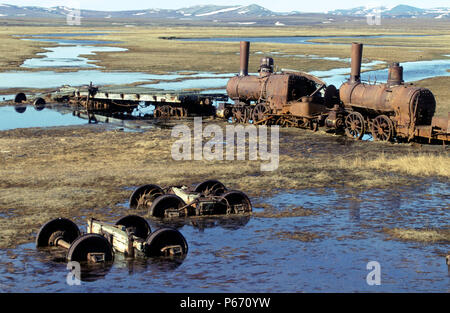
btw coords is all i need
(412, 71)
(67, 56)
(191, 84)
(11, 119)
(51, 79)
(261, 254)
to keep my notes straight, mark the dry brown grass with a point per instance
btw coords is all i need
(422, 165)
(419, 235)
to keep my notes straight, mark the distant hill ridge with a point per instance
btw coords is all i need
(212, 12)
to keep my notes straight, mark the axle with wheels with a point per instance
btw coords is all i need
(211, 197)
(64, 233)
(131, 235)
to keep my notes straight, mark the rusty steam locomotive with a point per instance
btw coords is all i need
(390, 111)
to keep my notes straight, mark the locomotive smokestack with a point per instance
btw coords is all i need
(395, 76)
(355, 75)
(245, 52)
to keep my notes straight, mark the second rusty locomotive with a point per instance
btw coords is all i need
(390, 111)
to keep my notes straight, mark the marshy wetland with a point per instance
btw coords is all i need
(332, 206)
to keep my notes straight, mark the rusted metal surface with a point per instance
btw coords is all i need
(286, 98)
(355, 75)
(245, 55)
(391, 110)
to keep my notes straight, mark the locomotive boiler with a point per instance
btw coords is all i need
(393, 110)
(288, 98)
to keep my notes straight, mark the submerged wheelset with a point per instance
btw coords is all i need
(210, 197)
(130, 235)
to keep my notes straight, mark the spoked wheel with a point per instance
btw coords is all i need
(259, 113)
(162, 112)
(236, 202)
(144, 196)
(60, 228)
(88, 244)
(382, 128)
(136, 225)
(238, 115)
(166, 242)
(211, 186)
(162, 206)
(355, 125)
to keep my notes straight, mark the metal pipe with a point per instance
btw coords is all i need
(245, 53)
(357, 50)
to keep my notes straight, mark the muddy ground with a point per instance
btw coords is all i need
(91, 170)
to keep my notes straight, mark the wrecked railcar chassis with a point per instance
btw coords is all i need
(131, 236)
(208, 198)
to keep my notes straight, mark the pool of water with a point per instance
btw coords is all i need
(412, 71)
(69, 52)
(211, 82)
(52, 79)
(68, 56)
(269, 254)
(10, 118)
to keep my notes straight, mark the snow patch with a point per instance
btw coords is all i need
(221, 11)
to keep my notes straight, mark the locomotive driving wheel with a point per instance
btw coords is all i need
(382, 128)
(238, 115)
(259, 113)
(355, 126)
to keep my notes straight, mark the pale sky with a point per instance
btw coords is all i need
(277, 6)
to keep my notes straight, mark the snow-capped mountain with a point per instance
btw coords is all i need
(399, 11)
(215, 12)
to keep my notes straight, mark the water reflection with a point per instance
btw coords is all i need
(54, 259)
(18, 116)
(20, 108)
(203, 223)
(143, 265)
